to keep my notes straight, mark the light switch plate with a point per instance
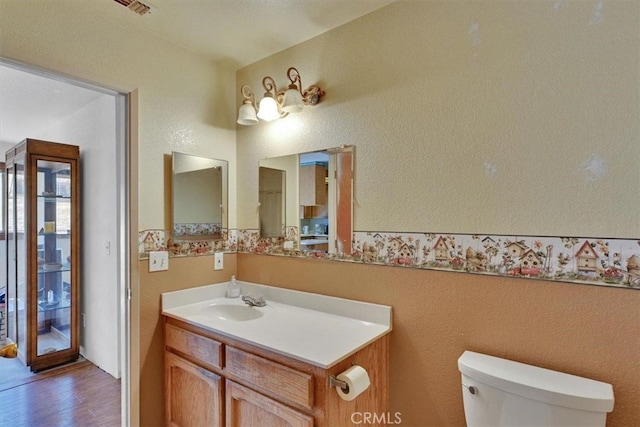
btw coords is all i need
(158, 261)
(218, 260)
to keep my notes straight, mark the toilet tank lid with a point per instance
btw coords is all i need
(532, 382)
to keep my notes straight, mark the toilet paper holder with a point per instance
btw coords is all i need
(335, 382)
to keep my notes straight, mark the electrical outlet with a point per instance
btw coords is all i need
(218, 261)
(158, 261)
(288, 244)
(84, 320)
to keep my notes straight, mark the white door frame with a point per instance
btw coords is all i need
(123, 167)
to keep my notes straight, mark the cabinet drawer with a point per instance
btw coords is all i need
(292, 385)
(202, 348)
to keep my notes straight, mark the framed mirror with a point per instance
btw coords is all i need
(317, 201)
(199, 193)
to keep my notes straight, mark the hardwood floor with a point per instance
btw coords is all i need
(13, 372)
(81, 395)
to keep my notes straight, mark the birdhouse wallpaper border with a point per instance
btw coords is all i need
(593, 261)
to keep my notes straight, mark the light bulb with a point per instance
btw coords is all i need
(292, 101)
(268, 109)
(247, 115)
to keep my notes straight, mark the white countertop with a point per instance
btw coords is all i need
(313, 328)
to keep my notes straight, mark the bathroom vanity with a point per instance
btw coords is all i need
(230, 364)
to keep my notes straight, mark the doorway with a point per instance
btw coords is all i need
(43, 105)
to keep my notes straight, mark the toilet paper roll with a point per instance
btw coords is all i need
(357, 379)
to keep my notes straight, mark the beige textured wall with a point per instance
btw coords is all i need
(183, 273)
(186, 101)
(584, 330)
(473, 117)
(505, 117)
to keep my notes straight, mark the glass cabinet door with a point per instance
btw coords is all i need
(54, 279)
(16, 250)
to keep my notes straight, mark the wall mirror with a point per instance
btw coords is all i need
(199, 192)
(316, 201)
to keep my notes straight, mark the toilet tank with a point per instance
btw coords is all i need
(500, 392)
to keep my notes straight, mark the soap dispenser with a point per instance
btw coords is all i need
(233, 288)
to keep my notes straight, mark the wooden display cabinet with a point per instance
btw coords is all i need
(42, 223)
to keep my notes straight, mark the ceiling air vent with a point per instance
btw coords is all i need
(136, 6)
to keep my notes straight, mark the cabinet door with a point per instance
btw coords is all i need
(313, 188)
(247, 408)
(54, 282)
(16, 250)
(193, 395)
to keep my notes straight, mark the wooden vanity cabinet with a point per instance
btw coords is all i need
(215, 380)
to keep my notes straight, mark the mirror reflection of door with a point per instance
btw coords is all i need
(344, 205)
(272, 201)
(314, 193)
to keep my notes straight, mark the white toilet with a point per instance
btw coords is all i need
(500, 392)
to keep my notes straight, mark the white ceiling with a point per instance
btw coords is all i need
(241, 32)
(31, 103)
(235, 32)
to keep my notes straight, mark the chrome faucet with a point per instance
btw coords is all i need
(254, 301)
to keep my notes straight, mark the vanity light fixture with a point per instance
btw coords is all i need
(277, 104)
(269, 109)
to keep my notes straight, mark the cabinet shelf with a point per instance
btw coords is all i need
(53, 197)
(43, 305)
(62, 268)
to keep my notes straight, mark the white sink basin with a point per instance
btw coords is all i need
(312, 328)
(233, 312)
